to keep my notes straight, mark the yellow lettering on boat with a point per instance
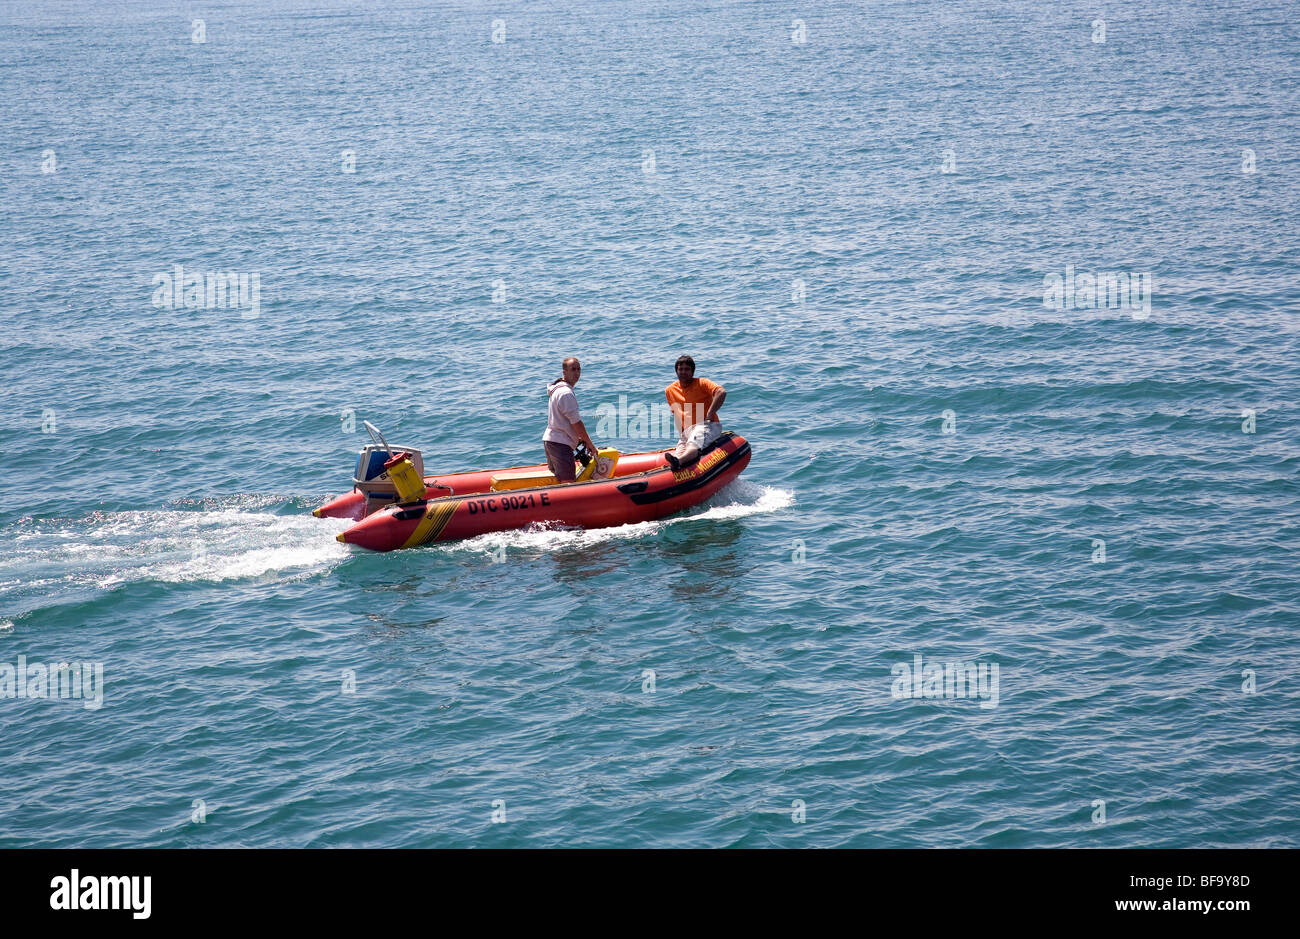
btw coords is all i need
(705, 464)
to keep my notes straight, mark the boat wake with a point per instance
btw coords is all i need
(50, 562)
(45, 561)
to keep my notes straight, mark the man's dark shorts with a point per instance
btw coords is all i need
(560, 459)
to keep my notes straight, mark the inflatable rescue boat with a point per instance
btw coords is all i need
(396, 506)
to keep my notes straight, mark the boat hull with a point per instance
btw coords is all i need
(620, 500)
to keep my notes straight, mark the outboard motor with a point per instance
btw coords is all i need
(388, 474)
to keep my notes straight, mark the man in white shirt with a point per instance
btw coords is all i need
(564, 427)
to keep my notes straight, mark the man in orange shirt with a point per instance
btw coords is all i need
(695, 402)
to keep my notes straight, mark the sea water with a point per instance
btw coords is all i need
(1004, 298)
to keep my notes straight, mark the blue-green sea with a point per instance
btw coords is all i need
(1005, 298)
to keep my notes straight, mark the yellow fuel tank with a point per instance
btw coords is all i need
(401, 471)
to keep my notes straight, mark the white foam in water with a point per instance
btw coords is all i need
(743, 498)
(106, 550)
(68, 556)
(736, 500)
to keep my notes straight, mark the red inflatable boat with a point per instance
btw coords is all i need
(640, 487)
(371, 496)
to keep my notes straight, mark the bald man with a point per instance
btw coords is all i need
(564, 428)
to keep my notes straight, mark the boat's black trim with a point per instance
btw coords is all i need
(649, 498)
(411, 510)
